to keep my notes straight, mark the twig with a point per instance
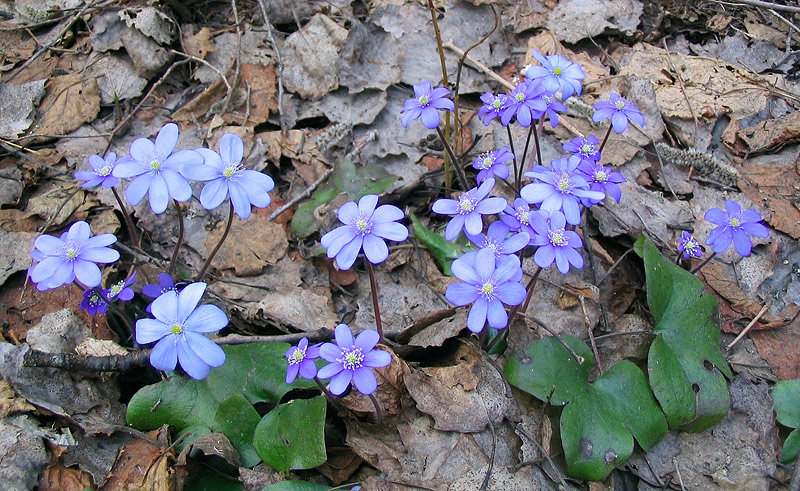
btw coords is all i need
(544, 452)
(238, 59)
(613, 267)
(305, 194)
(678, 473)
(747, 329)
(766, 5)
(488, 475)
(787, 21)
(271, 35)
(58, 210)
(204, 62)
(683, 90)
(440, 48)
(579, 358)
(795, 484)
(480, 66)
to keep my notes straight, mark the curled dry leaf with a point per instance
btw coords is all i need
(70, 101)
(251, 245)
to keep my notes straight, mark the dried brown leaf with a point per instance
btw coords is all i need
(199, 44)
(142, 465)
(70, 101)
(57, 477)
(251, 245)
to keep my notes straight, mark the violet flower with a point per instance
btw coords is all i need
(364, 226)
(352, 360)
(526, 102)
(491, 164)
(586, 149)
(156, 170)
(165, 284)
(518, 217)
(689, 246)
(620, 111)
(493, 107)
(467, 210)
(73, 255)
(557, 72)
(227, 177)
(93, 303)
(488, 284)
(426, 104)
(101, 173)
(301, 360)
(601, 179)
(555, 243)
(554, 106)
(178, 327)
(497, 239)
(560, 189)
(734, 225)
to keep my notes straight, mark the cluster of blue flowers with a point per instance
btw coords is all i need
(733, 226)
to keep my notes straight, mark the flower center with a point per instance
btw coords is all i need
(735, 222)
(494, 245)
(600, 176)
(114, 290)
(557, 71)
(547, 99)
(177, 329)
(487, 290)
(523, 216)
(620, 104)
(297, 356)
(362, 225)
(424, 100)
(71, 251)
(94, 300)
(351, 358)
(519, 96)
(497, 103)
(557, 237)
(155, 165)
(229, 171)
(587, 149)
(487, 161)
(106, 170)
(563, 184)
(466, 203)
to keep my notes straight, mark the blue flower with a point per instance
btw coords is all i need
(367, 226)
(493, 107)
(73, 255)
(601, 179)
(121, 290)
(560, 189)
(586, 149)
(165, 284)
(620, 111)
(734, 225)
(488, 283)
(689, 246)
(101, 173)
(93, 303)
(157, 170)
(426, 104)
(178, 327)
(492, 164)
(467, 210)
(518, 217)
(497, 239)
(301, 360)
(526, 102)
(554, 106)
(352, 360)
(226, 177)
(555, 243)
(557, 72)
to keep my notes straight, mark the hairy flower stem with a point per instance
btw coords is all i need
(700, 266)
(605, 138)
(128, 221)
(378, 410)
(202, 272)
(518, 169)
(459, 171)
(448, 180)
(529, 287)
(178, 245)
(373, 285)
(511, 145)
(333, 399)
(536, 132)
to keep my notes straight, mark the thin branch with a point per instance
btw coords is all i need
(204, 62)
(238, 59)
(766, 5)
(271, 35)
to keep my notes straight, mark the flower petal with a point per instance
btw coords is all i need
(496, 315)
(511, 293)
(460, 294)
(150, 330)
(477, 315)
(348, 254)
(377, 358)
(716, 216)
(231, 148)
(330, 352)
(365, 380)
(158, 194)
(334, 240)
(348, 212)
(206, 318)
(464, 271)
(375, 249)
(87, 273)
(165, 307)
(142, 150)
(164, 355)
(387, 213)
(241, 203)
(367, 203)
(103, 255)
(343, 335)
(214, 193)
(367, 339)
(206, 349)
(742, 243)
(138, 188)
(331, 369)
(390, 230)
(340, 382)
(188, 299)
(191, 363)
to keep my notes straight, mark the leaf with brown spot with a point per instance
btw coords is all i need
(69, 101)
(200, 43)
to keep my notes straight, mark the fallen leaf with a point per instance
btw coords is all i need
(595, 17)
(310, 55)
(16, 44)
(199, 44)
(251, 245)
(22, 456)
(116, 78)
(10, 402)
(15, 248)
(70, 101)
(369, 58)
(151, 22)
(296, 307)
(772, 134)
(56, 196)
(143, 465)
(17, 104)
(216, 444)
(57, 477)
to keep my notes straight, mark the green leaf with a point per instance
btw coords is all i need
(685, 363)
(203, 478)
(444, 252)
(237, 419)
(600, 420)
(296, 486)
(787, 410)
(178, 401)
(291, 436)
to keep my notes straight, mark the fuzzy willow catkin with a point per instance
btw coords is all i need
(704, 163)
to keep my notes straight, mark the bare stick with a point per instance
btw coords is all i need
(204, 62)
(747, 329)
(459, 171)
(271, 35)
(766, 5)
(579, 358)
(480, 66)
(238, 59)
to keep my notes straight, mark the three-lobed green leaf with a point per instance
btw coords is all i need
(786, 394)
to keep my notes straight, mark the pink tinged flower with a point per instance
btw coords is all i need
(488, 283)
(493, 164)
(364, 226)
(157, 170)
(426, 105)
(557, 72)
(178, 330)
(555, 243)
(74, 255)
(468, 208)
(689, 246)
(352, 360)
(734, 226)
(93, 303)
(101, 173)
(525, 102)
(493, 107)
(301, 361)
(559, 188)
(620, 111)
(227, 177)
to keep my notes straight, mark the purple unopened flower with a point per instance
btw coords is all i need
(367, 226)
(526, 102)
(518, 217)
(227, 177)
(601, 179)
(467, 210)
(121, 290)
(734, 225)
(554, 106)
(100, 175)
(555, 243)
(497, 239)
(352, 360)
(488, 283)
(156, 169)
(73, 255)
(586, 149)
(560, 189)
(426, 104)
(93, 303)
(620, 111)
(557, 72)
(689, 246)
(301, 360)
(178, 327)
(165, 284)
(493, 107)
(491, 164)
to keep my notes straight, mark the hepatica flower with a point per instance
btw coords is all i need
(493, 107)
(156, 169)
(734, 225)
(352, 360)
(468, 208)
(487, 283)
(364, 226)
(560, 188)
(121, 290)
(555, 243)
(601, 179)
(165, 284)
(557, 72)
(73, 255)
(525, 102)
(178, 328)
(554, 106)
(518, 217)
(497, 239)
(493, 164)
(93, 303)
(426, 104)
(101, 173)
(586, 149)
(227, 177)
(689, 246)
(620, 111)
(301, 360)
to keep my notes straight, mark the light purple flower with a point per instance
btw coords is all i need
(73, 255)
(557, 72)
(93, 303)
(586, 149)
(101, 173)
(561, 188)
(526, 102)
(493, 107)
(467, 210)
(620, 111)
(601, 179)
(165, 284)
(554, 106)
(426, 104)
(178, 327)
(734, 225)
(227, 177)
(518, 217)
(301, 360)
(156, 169)
(689, 246)
(555, 243)
(491, 164)
(121, 290)
(488, 283)
(497, 239)
(352, 360)
(367, 226)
